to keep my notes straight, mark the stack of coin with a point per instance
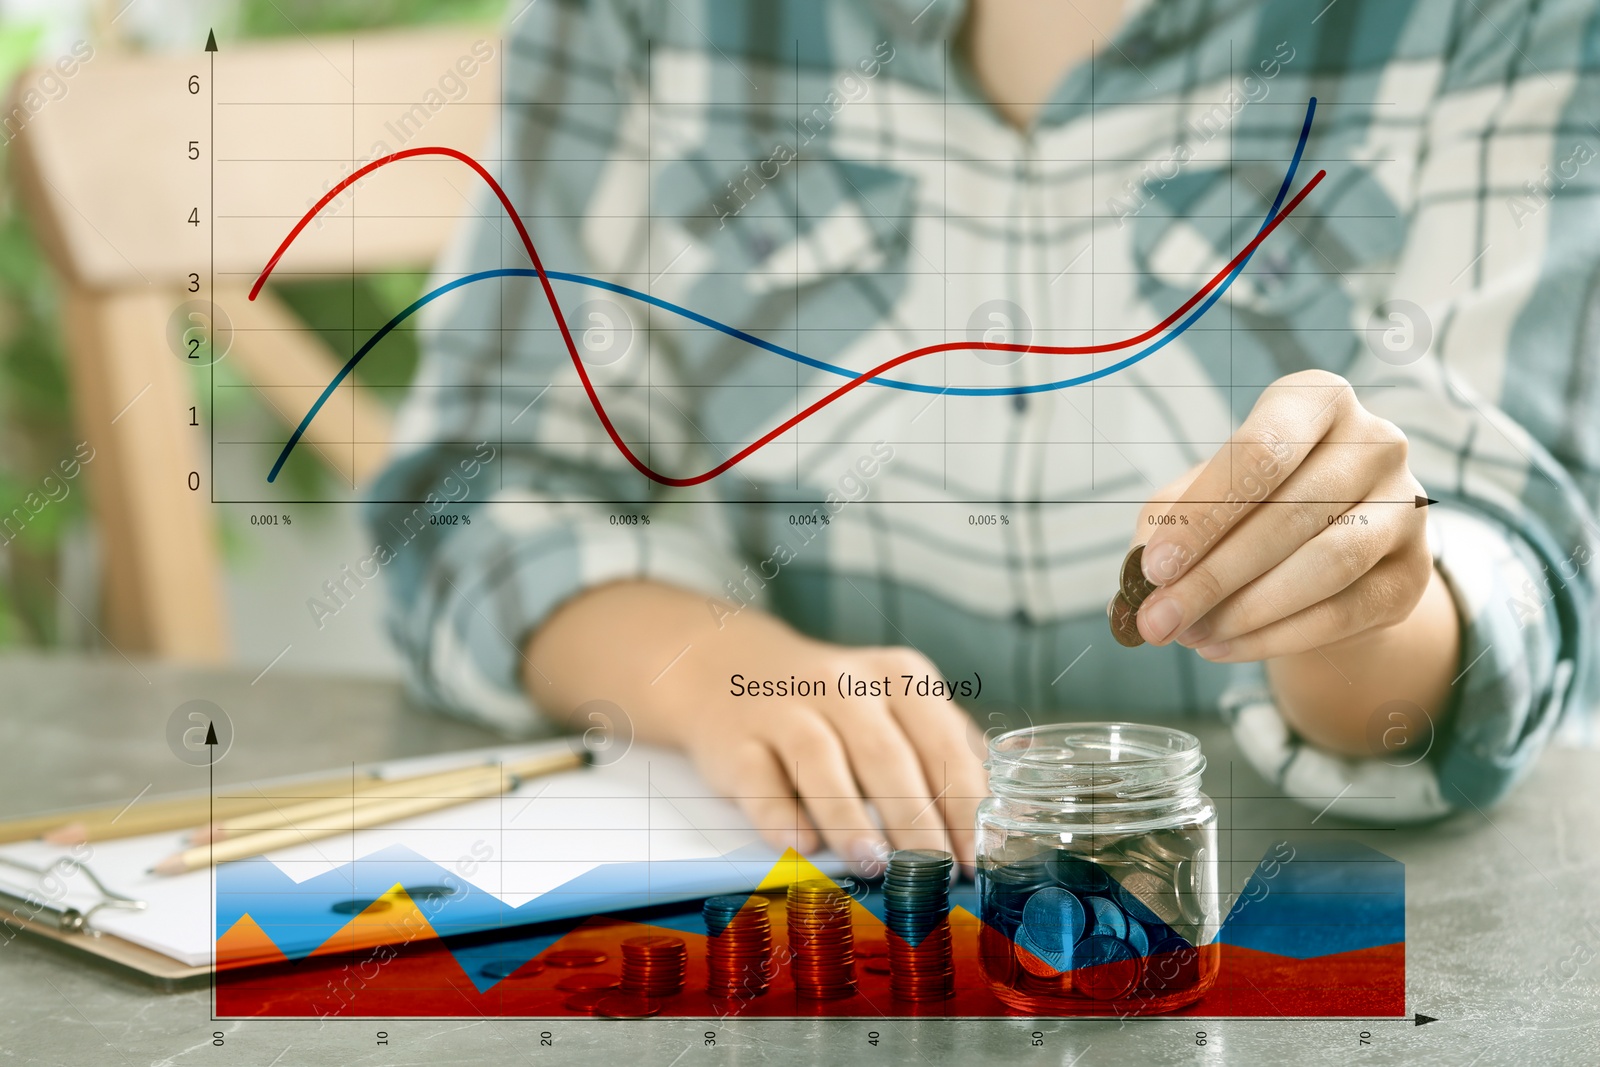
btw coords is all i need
(1134, 589)
(916, 895)
(653, 966)
(738, 946)
(821, 940)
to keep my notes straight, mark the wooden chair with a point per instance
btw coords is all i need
(110, 172)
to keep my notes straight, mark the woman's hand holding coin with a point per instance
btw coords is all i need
(1299, 543)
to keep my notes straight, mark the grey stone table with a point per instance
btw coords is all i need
(1502, 915)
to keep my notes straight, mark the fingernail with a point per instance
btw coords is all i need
(1161, 563)
(1160, 620)
(1216, 651)
(1195, 634)
(869, 856)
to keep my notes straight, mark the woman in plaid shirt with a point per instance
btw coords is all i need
(847, 181)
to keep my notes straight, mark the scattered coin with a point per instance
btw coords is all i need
(575, 957)
(627, 1006)
(356, 907)
(430, 892)
(507, 968)
(588, 1000)
(587, 983)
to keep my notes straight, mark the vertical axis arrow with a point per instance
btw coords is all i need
(211, 796)
(211, 290)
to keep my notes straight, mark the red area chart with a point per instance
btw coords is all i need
(1322, 938)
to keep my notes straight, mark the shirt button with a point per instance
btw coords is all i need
(1019, 401)
(1021, 617)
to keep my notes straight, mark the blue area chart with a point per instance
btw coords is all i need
(1319, 899)
(1323, 902)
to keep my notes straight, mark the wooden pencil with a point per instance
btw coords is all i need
(364, 813)
(462, 781)
(157, 814)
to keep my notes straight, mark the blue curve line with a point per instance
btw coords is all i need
(789, 353)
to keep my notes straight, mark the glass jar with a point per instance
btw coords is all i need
(1097, 870)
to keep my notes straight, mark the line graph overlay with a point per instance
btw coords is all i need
(1205, 297)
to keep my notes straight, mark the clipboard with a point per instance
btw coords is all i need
(72, 929)
(66, 928)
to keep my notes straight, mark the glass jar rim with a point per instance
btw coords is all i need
(1160, 742)
(1126, 760)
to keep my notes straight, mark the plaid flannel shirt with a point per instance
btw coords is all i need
(826, 177)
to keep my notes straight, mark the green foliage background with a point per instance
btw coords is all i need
(36, 422)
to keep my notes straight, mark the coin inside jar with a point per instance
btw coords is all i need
(1162, 847)
(1189, 881)
(1149, 898)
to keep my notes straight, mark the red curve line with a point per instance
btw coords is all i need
(788, 424)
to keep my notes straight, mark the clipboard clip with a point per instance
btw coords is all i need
(68, 920)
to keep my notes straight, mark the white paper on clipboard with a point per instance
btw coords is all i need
(549, 833)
